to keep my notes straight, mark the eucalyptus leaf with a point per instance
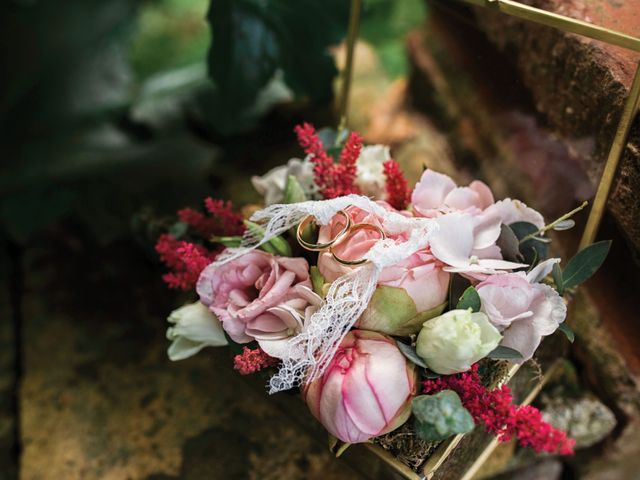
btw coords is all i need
(585, 263)
(470, 299)
(504, 353)
(534, 249)
(562, 225)
(509, 244)
(564, 328)
(558, 279)
(440, 416)
(457, 285)
(410, 352)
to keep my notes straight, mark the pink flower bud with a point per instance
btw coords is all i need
(366, 390)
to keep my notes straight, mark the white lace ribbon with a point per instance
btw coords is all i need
(309, 352)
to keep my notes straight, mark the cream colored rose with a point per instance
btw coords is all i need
(194, 327)
(370, 174)
(272, 184)
(455, 340)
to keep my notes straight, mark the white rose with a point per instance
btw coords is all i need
(370, 176)
(455, 340)
(272, 184)
(195, 327)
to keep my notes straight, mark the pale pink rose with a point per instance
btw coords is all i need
(510, 211)
(241, 292)
(466, 245)
(366, 390)
(422, 277)
(524, 312)
(437, 193)
(354, 248)
(273, 328)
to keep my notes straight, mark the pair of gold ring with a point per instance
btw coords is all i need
(347, 232)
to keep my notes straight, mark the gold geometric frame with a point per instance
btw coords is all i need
(631, 105)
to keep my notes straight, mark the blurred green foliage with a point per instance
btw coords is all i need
(170, 34)
(385, 24)
(107, 107)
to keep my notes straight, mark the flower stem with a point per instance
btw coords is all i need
(564, 217)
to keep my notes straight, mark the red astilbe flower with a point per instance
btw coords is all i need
(185, 260)
(398, 192)
(222, 220)
(333, 179)
(500, 417)
(252, 361)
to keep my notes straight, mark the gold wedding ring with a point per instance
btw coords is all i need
(354, 228)
(318, 247)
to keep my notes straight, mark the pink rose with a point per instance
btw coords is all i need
(524, 312)
(422, 277)
(408, 294)
(437, 193)
(354, 248)
(419, 282)
(366, 390)
(510, 211)
(243, 292)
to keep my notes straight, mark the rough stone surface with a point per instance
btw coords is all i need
(580, 85)
(100, 400)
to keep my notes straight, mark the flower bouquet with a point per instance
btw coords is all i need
(379, 302)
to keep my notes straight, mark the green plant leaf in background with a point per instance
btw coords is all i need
(440, 416)
(384, 25)
(585, 263)
(255, 39)
(469, 299)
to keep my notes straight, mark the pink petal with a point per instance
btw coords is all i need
(453, 241)
(431, 190)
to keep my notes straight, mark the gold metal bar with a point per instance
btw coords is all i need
(347, 74)
(393, 462)
(561, 22)
(611, 166)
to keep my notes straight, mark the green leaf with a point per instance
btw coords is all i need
(534, 250)
(564, 328)
(253, 39)
(509, 244)
(585, 263)
(410, 352)
(457, 285)
(504, 353)
(230, 242)
(557, 278)
(293, 191)
(440, 416)
(317, 280)
(275, 246)
(469, 299)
